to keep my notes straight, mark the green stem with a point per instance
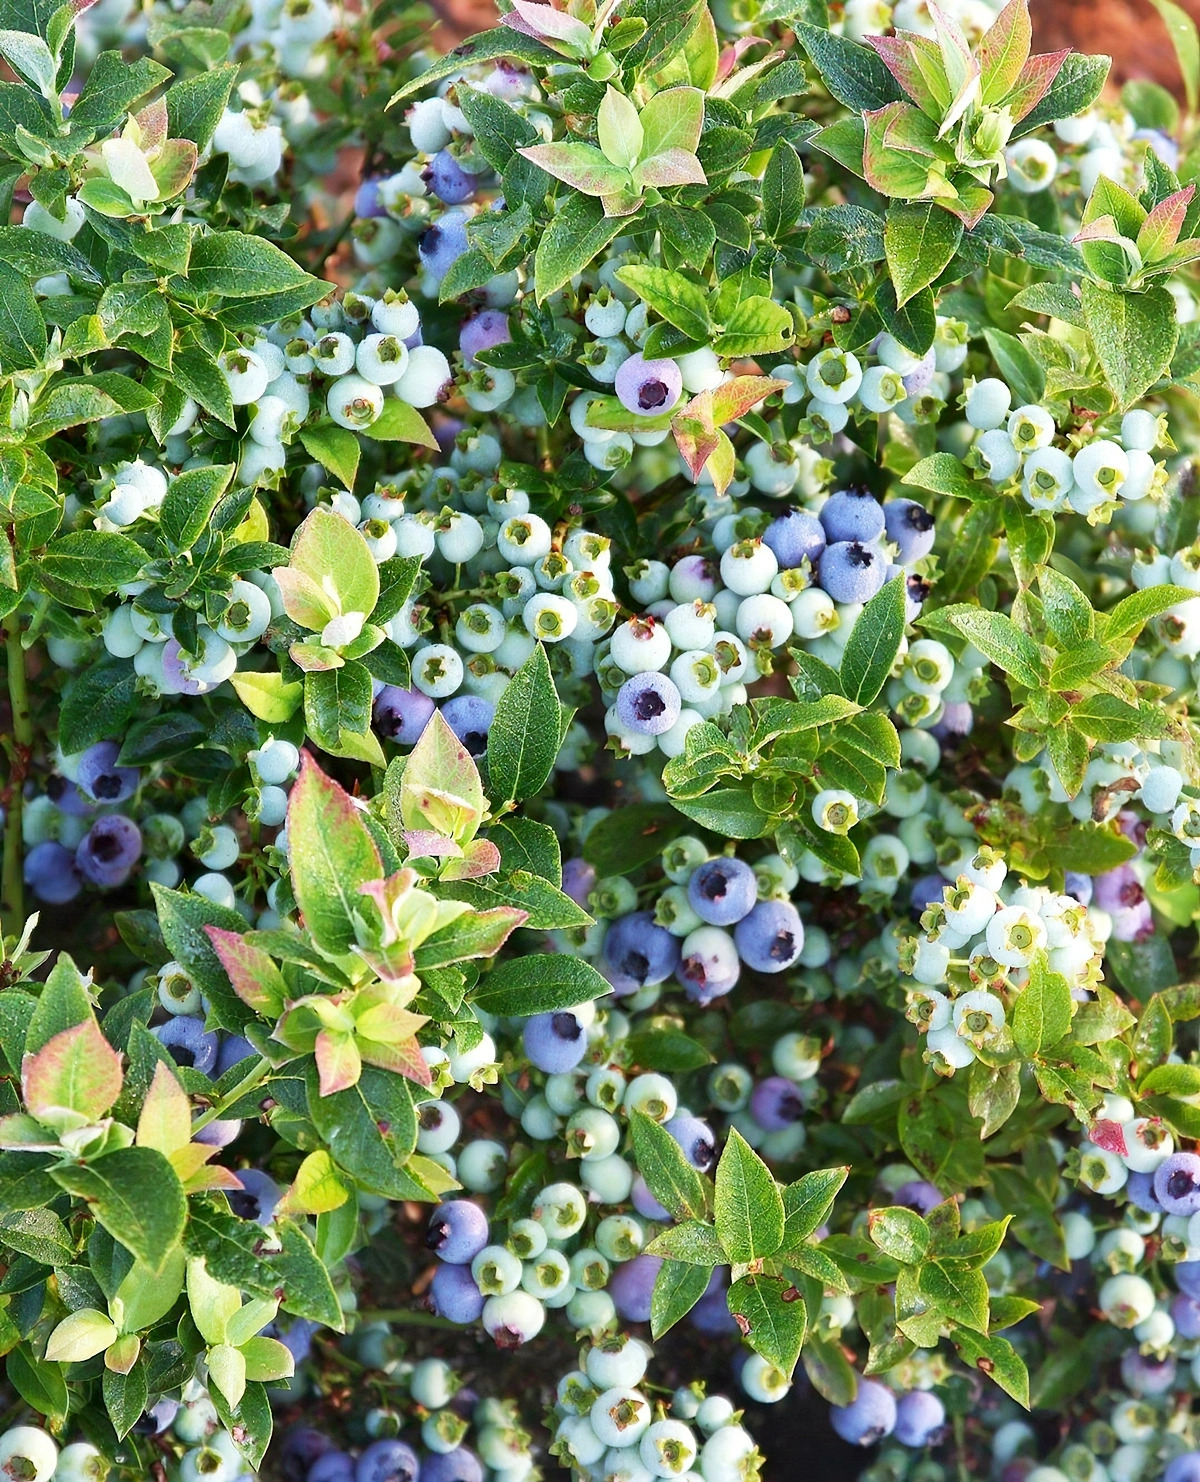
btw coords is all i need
(12, 889)
(253, 1077)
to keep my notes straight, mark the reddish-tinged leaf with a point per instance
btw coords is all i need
(579, 165)
(404, 1059)
(1110, 1136)
(477, 934)
(339, 1064)
(165, 1121)
(971, 205)
(326, 830)
(896, 170)
(735, 398)
(916, 64)
(303, 600)
(696, 432)
(1034, 83)
(256, 979)
(75, 1071)
(671, 167)
(1004, 51)
(1102, 229)
(1160, 230)
(424, 843)
(204, 1180)
(481, 857)
(732, 55)
(550, 24)
(152, 122)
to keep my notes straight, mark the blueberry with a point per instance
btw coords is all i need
(578, 877)
(447, 179)
(302, 1447)
(257, 1198)
(1140, 1192)
(101, 779)
(648, 704)
(776, 1103)
(771, 937)
(483, 331)
(1145, 1374)
(442, 244)
(67, 797)
(458, 1231)
(388, 1460)
(109, 850)
(459, 1465)
(645, 1203)
(188, 1042)
(334, 1466)
(401, 715)
(638, 949)
(366, 199)
(1177, 1183)
(470, 718)
(925, 892)
(648, 387)
(297, 1337)
(910, 527)
(1185, 1313)
(696, 1139)
(852, 514)
(454, 1295)
(918, 1194)
(851, 572)
(869, 1417)
(1183, 1468)
(631, 1287)
(555, 1042)
(712, 1317)
(920, 1418)
(709, 965)
(795, 536)
(51, 874)
(1186, 1273)
(722, 891)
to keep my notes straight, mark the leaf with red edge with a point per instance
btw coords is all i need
(1037, 77)
(256, 979)
(896, 169)
(916, 64)
(733, 399)
(475, 934)
(1004, 51)
(333, 856)
(1110, 1136)
(73, 1079)
(696, 432)
(1160, 230)
(971, 205)
(481, 857)
(580, 166)
(339, 1063)
(404, 1059)
(670, 167)
(152, 125)
(549, 24)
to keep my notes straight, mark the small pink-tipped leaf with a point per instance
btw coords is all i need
(671, 167)
(920, 73)
(256, 979)
(1160, 230)
(339, 1064)
(1035, 81)
(76, 1070)
(1004, 51)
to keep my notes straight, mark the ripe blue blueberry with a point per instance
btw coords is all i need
(334, 1466)
(1177, 1183)
(454, 1295)
(776, 1103)
(51, 874)
(1183, 1468)
(459, 1465)
(555, 1042)
(109, 850)
(648, 704)
(648, 387)
(301, 1448)
(257, 1198)
(388, 1460)
(869, 1417)
(910, 527)
(188, 1042)
(795, 536)
(470, 718)
(771, 938)
(447, 179)
(442, 244)
(1187, 1277)
(99, 776)
(920, 1417)
(401, 715)
(483, 331)
(722, 891)
(632, 1287)
(638, 949)
(852, 514)
(851, 572)
(695, 1138)
(458, 1231)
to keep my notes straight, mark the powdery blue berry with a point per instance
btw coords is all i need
(910, 527)
(187, 1041)
(635, 947)
(555, 1042)
(454, 1295)
(108, 851)
(632, 1286)
(470, 718)
(722, 891)
(458, 1231)
(869, 1417)
(648, 387)
(98, 775)
(920, 1417)
(388, 1460)
(771, 937)
(1177, 1183)
(852, 514)
(401, 715)
(795, 536)
(648, 704)
(447, 179)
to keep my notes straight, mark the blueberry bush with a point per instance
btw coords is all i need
(600, 637)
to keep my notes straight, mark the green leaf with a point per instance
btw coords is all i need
(370, 1130)
(1134, 335)
(669, 1176)
(782, 191)
(919, 238)
(677, 1289)
(1075, 88)
(748, 1208)
(186, 510)
(958, 1292)
(524, 736)
(672, 296)
(874, 642)
(578, 231)
(136, 1195)
(195, 104)
(98, 704)
(998, 1359)
(668, 1050)
(184, 919)
(236, 265)
(22, 328)
(1182, 30)
(333, 856)
(631, 836)
(335, 448)
(728, 811)
(125, 1397)
(99, 560)
(41, 1385)
(942, 473)
(337, 712)
(1016, 365)
(771, 1315)
(691, 1242)
(400, 423)
(807, 1202)
(900, 1233)
(851, 72)
(332, 554)
(999, 639)
(538, 984)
